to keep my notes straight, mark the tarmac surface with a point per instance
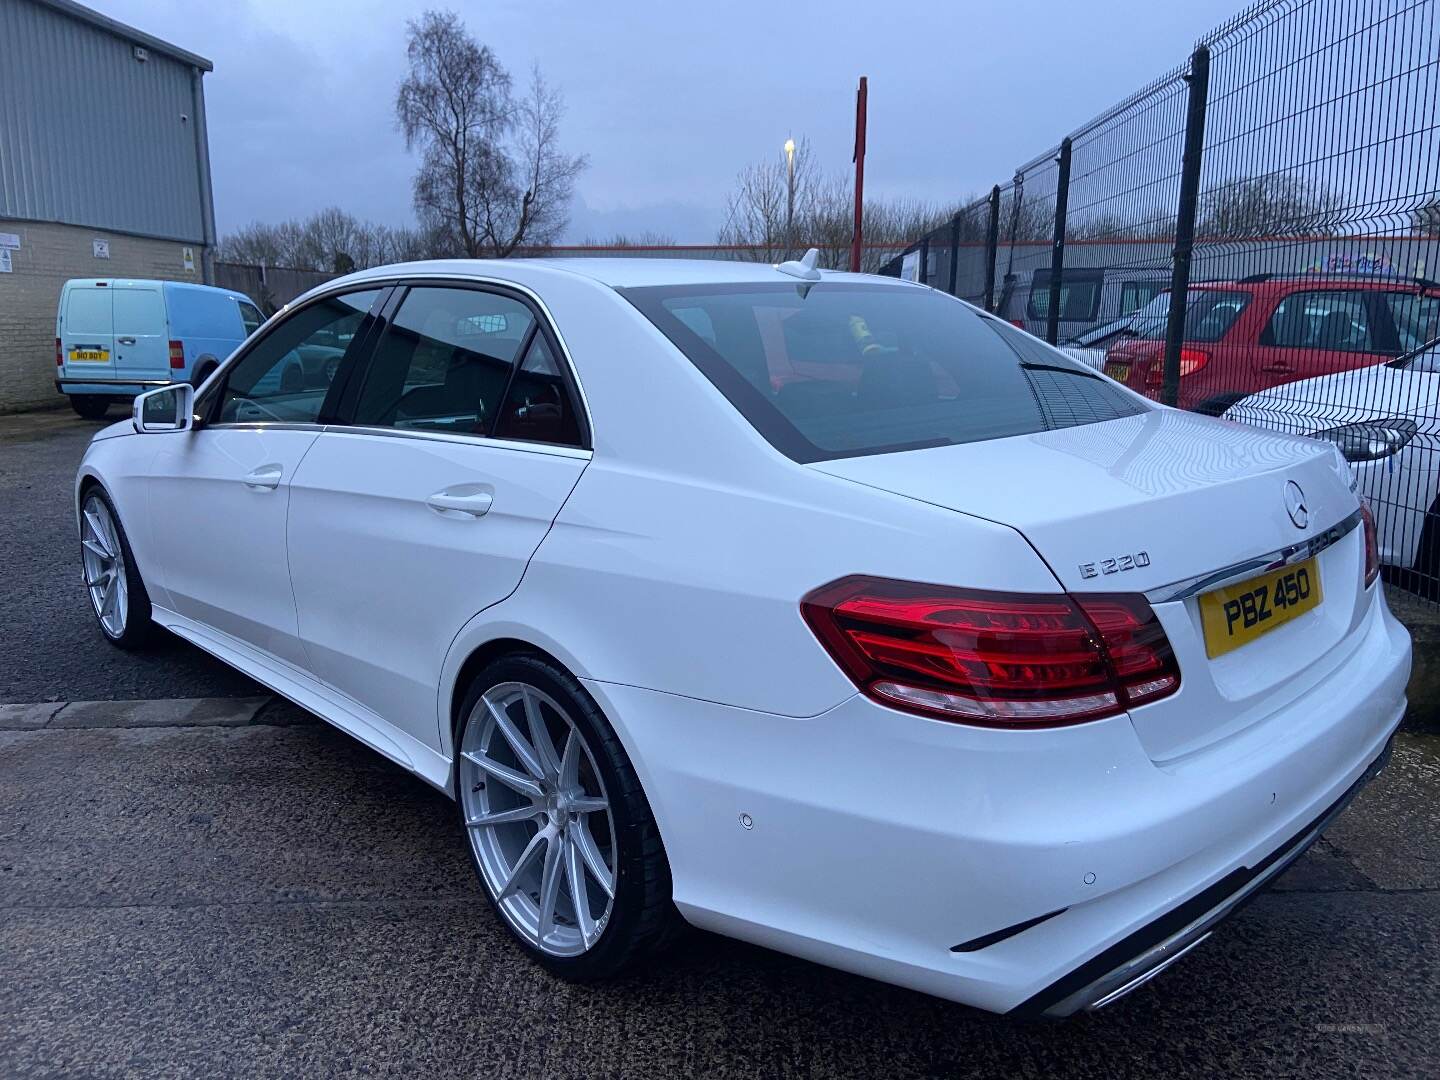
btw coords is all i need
(197, 879)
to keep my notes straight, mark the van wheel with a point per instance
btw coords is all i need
(90, 406)
(201, 374)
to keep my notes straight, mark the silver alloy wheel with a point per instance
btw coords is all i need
(104, 562)
(539, 818)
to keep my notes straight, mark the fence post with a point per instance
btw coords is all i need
(992, 247)
(1057, 247)
(1199, 80)
(922, 275)
(954, 250)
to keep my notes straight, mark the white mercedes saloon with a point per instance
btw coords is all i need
(820, 610)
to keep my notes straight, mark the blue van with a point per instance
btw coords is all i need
(116, 338)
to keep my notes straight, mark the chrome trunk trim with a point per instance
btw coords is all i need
(1274, 560)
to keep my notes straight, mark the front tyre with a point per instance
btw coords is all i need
(561, 835)
(117, 595)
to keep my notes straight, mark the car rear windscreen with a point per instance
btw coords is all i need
(844, 369)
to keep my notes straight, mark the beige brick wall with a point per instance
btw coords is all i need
(49, 255)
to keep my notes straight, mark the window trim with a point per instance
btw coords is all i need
(208, 405)
(544, 324)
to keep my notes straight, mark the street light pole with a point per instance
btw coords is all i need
(790, 199)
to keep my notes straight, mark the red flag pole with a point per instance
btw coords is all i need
(858, 240)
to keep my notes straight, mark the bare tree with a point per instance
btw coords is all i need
(1426, 219)
(331, 241)
(648, 238)
(492, 172)
(1276, 204)
(756, 213)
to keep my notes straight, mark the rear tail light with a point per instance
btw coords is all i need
(1019, 324)
(991, 658)
(177, 355)
(1372, 545)
(1191, 361)
(59, 354)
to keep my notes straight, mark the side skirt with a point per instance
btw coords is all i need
(309, 693)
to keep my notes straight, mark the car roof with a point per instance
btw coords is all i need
(618, 273)
(1288, 283)
(159, 283)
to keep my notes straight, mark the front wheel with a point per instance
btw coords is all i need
(90, 406)
(117, 595)
(560, 833)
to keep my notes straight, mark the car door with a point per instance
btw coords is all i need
(413, 516)
(87, 333)
(219, 495)
(142, 352)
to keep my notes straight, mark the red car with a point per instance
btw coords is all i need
(1258, 332)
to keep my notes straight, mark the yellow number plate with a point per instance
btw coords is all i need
(1238, 614)
(1118, 371)
(101, 356)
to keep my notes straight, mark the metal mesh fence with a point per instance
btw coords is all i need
(1253, 235)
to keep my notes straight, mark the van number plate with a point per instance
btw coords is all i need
(1238, 614)
(90, 356)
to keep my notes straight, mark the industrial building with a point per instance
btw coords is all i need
(104, 172)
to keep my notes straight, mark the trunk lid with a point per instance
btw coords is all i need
(1146, 502)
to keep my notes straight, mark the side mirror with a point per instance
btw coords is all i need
(170, 408)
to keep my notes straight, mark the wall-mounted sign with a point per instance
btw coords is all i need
(5, 267)
(189, 255)
(10, 240)
(101, 248)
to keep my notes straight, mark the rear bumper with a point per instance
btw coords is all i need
(1131, 963)
(877, 841)
(113, 387)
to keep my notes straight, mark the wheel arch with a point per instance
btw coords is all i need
(494, 633)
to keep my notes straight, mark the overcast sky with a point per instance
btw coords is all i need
(669, 100)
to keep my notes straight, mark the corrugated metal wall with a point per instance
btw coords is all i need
(91, 136)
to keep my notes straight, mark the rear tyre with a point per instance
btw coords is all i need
(201, 374)
(1216, 405)
(1425, 576)
(560, 833)
(90, 406)
(117, 595)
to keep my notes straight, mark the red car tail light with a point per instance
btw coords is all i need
(992, 658)
(59, 354)
(177, 355)
(1372, 545)
(1191, 361)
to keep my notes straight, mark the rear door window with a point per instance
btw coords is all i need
(839, 369)
(88, 311)
(444, 362)
(1335, 321)
(1416, 318)
(139, 312)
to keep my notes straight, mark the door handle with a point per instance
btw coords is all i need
(265, 478)
(476, 503)
(126, 340)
